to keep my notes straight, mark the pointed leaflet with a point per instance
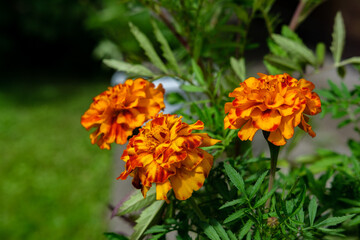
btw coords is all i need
(148, 47)
(338, 35)
(128, 68)
(239, 67)
(257, 185)
(246, 228)
(295, 48)
(283, 63)
(235, 215)
(198, 73)
(333, 221)
(167, 53)
(219, 229)
(137, 201)
(209, 231)
(145, 219)
(235, 178)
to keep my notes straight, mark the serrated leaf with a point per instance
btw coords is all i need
(192, 88)
(264, 198)
(167, 53)
(233, 202)
(236, 215)
(137, 201)
(283, 63)
(157, 229)
(354, 221)
(231, 235)
(295, 48)
(128, 68)
(245, 229)
(146, 45)
(235, 178)
(320, 53)
(312, 210)
(219, 229)
(210, 231)
(333, 221)
(257, 185)
(239, 67)
(338, 35)
(145, 219)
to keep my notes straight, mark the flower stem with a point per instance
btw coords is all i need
(295, 18)
(274, 153)
(196, 208)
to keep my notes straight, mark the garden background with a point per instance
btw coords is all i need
(54, 183)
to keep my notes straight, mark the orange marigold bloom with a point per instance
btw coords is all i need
(116, 112)
(167, 153)
(276, 104)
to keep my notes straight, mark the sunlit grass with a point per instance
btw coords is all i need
(54, 183)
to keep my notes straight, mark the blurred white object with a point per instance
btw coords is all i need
(170, 85)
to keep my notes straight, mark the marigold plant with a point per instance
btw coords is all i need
(273, 103)
(167, 153)
(116, 112)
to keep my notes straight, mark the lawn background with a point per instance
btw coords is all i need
(54, 182)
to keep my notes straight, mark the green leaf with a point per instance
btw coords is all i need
(199, 76)
(231, 235)
(333, 221)
(335, 88)
(239, 67)
(312, 210)
(341, 71)
(175, 98)
(192, 88)
(264, 198)
(257, 185)
(157, 229)
(353, 60)
(145, 219)
(235, 215)
(219, 229)
(320, 53)
(272, 69)
(343, 123)
(235, 178)
(127, 67)
(233, 202)
(167, 53)
(295, 48)
(148, 47)
(137, 201)
(245, 229)
(355, 221)
(283, 63)
(287, 32)
(338, 35)
(114, 236)
(210, 231)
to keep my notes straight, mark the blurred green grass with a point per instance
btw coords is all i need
(54, 183)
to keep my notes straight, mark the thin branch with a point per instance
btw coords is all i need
(168, 23)
(295, 18)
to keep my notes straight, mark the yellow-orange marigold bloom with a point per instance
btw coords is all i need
(167, 153)
(273, 103)
(116, 112)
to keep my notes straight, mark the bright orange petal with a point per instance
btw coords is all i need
(277, 138)
(268, 120)
(162, 189)
(248, 131)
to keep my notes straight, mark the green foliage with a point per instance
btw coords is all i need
(204, 45)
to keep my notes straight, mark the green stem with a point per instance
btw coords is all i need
(196, 208)
(274, 153)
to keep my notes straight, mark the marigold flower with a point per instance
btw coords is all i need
(167, 153)
(116, 112)
(273, 103)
